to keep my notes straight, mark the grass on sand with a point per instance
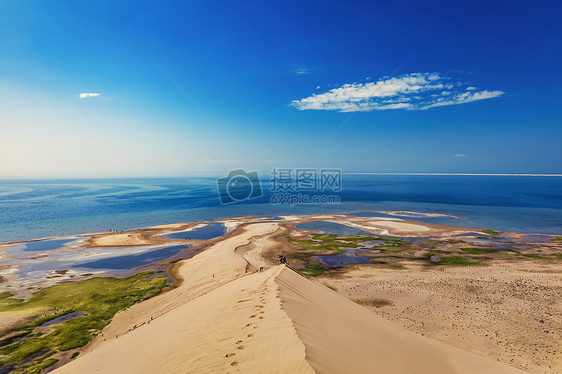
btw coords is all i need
(313, 269)
(323, 242)
(98, 298)
(460, 261)
(326, 242)
(556, 257)
(475, 251)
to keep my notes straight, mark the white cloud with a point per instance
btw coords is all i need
(460, 155)
(416, 91)
(86, 94)
(317, 87)
(466, 97)
(302, 71)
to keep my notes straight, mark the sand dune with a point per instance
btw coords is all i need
(225, 317)
(343, 337)
(239, 327)
(276, 322)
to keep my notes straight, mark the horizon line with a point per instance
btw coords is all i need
(467, 174)
(215, 174)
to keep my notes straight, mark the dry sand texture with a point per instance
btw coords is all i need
(225, 317)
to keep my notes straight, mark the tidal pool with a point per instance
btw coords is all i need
(212, 231)
(350, 256)
(61, 319)
(136, 260)
(332, 228)
(41, 245)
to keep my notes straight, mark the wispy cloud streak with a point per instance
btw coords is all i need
(86, 95)
(416, 91)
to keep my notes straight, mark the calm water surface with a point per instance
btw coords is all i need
(212, 231)
(32, 209)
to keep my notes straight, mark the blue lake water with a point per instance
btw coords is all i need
(46, 245)
(212, 231)
(133, 260)
(349, 257)
(41, 208)
(61, 319)
(332, 228)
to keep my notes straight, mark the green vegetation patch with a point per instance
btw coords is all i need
(558, 239)
(313, 269)
(475, 251)
(357, 238)
(491, 232)
(327, 243)
(395, 241)
(460, 261)
(432, 250)
(397, 267)
(556, 257)
(98, 298)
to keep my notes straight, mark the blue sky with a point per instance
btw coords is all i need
(442, 86)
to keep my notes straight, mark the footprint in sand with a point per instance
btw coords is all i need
(261, 317)
(240, 347)
(248, 325)
(230, 354)
(253, 316)
(250, 335)
(234, 363)
(239, 341)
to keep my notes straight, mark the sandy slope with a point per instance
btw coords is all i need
(276, 322)
(237, 328)
(343, 337)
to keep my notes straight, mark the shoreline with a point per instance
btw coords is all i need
(400, 213)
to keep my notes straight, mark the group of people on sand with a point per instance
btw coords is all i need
(283, 259)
